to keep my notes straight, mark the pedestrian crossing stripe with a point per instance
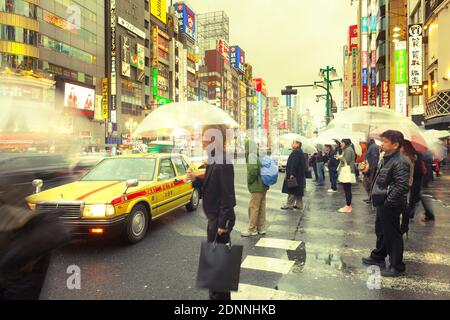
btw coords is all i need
(251, 292)
(278, 244)
(267, 264)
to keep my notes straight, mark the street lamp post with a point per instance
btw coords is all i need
(326, 74)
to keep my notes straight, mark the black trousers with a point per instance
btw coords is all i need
(415, 197)
(212, 235)
(389, 237)
(348, 193)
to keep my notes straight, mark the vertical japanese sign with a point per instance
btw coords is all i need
(352, 38)
(385, 94)
(105, 111)
(415, 60)
(158, 10)
(113, 87)
(364, 53)
(401, 77)
(155, 46)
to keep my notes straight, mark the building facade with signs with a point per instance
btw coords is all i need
(128, 66)
(63, 42)
(436, 72)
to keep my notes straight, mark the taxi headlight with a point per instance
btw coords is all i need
(98, 211)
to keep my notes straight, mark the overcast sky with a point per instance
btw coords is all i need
(288, 41)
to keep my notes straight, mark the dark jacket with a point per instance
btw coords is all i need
(218, 194)
(254, 181)
(391, 180)
(373, 156)
(333, 163)
(296, 166)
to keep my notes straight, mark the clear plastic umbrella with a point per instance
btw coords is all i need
(307, 146)
(373, 121)
(183, 116)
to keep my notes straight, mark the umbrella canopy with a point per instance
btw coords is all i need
(436, 134)
(373, 121)
(183, 115)
(307, 146)
(323, 141)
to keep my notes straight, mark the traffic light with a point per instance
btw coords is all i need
(289, 91)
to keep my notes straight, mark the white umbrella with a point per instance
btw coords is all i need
(183, 115)
(373, 121)
(322, 141)
(307, 146)
(436, 134)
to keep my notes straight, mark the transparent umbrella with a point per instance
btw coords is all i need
(373, 121)
(307, 146)
(185, 116)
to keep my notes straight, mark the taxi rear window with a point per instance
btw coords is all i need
(122, 169)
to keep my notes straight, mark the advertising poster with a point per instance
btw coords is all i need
(353, 38)
(186, 20)
(385, 94)
(80, 98)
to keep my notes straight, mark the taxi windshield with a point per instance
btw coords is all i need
(122, 169)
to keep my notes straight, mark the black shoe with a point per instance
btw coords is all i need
(287, 208)
(392, 273)
(372, 262)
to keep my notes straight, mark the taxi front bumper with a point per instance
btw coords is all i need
(86, 228)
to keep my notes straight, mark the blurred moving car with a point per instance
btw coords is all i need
(283, 157)
(18, 169)
(122, 195)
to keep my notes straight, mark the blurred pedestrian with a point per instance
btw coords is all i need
(218, 193)
(295, 175)
(258, 191)
(333, 164)
(320, 167)
(428, 160)
(346, 173)
(371, 163)
(313, 164)
(389, 193)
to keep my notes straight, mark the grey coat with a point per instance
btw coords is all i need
(349, 158)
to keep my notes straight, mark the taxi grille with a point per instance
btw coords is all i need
(71, 211)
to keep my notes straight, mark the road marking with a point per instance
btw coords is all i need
(251, 292)
(318, 231)
(278, 244)
(268, 264)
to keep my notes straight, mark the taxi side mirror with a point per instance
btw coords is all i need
(131, 183)
(38, 184)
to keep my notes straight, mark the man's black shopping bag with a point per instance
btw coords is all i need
(219, 267)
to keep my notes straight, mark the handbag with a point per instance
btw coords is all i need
(292, 183)
(346, 175)
(219, 266)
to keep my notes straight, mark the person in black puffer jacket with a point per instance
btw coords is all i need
(389, 194)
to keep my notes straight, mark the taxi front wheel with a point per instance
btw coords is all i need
(195, 200)
(137, 224)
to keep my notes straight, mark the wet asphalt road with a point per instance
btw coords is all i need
(321, 258)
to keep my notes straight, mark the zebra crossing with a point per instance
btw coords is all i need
(320, 269)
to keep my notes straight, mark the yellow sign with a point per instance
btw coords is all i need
(158, 8)
(105, 111)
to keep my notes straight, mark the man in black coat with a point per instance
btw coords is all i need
(295, 169)
(218, 194)
(388, 195)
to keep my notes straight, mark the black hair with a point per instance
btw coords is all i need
(394, 137)
(347, 142)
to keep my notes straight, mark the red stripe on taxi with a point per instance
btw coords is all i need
(147, 192)
(97, 190)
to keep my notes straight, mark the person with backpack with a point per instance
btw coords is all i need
(261, 173)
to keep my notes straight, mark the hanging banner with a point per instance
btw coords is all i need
(415, 60)
(385, 94)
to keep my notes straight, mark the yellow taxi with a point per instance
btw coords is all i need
(121, 195)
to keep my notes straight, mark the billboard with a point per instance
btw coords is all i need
(352, 38)
(78, 97)
(186, 20)
(385, 94)
(105, 110)
(224, 49)
(415, 60)
(401, 63)
(260, 86)
(237, 58)
(158, 10)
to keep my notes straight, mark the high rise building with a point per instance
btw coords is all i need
(128, 66)
(212, 28)
(52, 57)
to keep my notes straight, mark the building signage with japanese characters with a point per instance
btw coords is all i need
(415, 60)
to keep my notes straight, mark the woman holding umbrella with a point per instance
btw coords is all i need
(346, 173)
